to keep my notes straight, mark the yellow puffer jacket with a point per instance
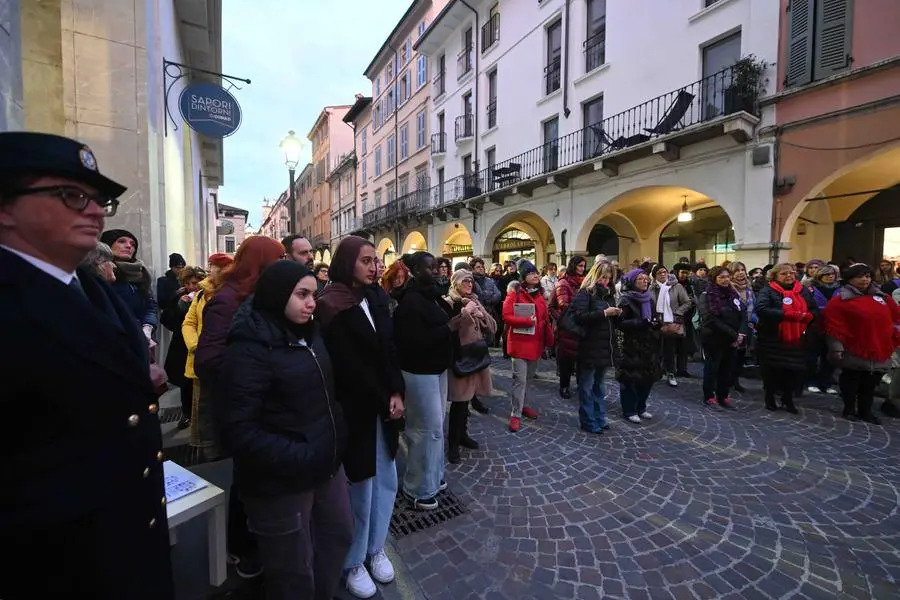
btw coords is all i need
(193, 325)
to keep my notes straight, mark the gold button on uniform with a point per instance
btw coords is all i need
(160, 456)
(163, 501)
(146, 472)
(152, 523)
(153, 408)
(133, 420)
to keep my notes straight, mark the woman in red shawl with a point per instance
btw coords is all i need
(863, 328)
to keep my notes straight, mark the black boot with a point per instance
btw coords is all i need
(464, 440)
(479, 406)
(787, 401)
(454, 430)
(770, 401)
(565, 393)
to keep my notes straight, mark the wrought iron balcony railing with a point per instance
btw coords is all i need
(464, 61)
(492, 114)
(465, 126)
(439, 83)
(438, 143)
(594, 51)
(408, 205)
(552, 76)
(490, 32)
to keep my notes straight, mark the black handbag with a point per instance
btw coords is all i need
(568, 324)
(471, 358)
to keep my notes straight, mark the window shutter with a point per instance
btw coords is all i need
(800, 47)
(833, 31)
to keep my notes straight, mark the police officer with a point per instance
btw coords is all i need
(82, 501)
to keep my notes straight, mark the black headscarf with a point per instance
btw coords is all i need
(273, 290)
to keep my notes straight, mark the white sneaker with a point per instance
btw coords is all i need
(832, 391)
(382, 569)
(672, 381)
(814, 389)
(646, 415)
(634, 419)
(360, 584)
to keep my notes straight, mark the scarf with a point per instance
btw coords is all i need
(866, 326)
(717, 297)
(641, 300)
(133, 272)
(341, 293)
(793, 305)
(664, 304)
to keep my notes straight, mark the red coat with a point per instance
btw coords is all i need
(520, 345)
(566, 288)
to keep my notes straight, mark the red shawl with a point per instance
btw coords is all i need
(796, 313)
(866, 327)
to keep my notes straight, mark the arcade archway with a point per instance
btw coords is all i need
(458, 243)
(521, 234)
(326, 257)
(386, 251)
(414, 242)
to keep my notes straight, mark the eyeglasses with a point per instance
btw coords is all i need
(73, 198)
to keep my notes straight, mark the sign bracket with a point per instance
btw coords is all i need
(174, 71)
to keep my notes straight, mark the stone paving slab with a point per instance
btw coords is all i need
(697, 503)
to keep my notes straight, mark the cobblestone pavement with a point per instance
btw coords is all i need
(697, 503)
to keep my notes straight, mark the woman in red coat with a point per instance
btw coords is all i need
(567, 351)
(528, 337)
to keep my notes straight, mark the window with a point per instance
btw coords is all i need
(708, 3)
(363, 168)
(819, 39)
(407, 82)
(391, 150)
(389, 103)
(377, 198)
(551, 145)
(467, 103)
(403, 187)
(421, 178)
(554, 58)
(464, 58)
(421, 71)
(229, 245)
(403, 89)
(490, 31)
(391, 193)
(492, 99)
(378, 161)
(362, 141)
(420, 130)
(404, 141)
(388, 73)
(440, 85)
(716, 58)
(595, 38)
(404, 53)
(422, 27)
(467, 164)
(377, 86)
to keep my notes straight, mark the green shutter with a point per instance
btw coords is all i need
(800, 43)
(833, 31)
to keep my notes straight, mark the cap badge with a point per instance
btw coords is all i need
(87, 158)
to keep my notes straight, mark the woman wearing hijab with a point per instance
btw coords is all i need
(638, 360)
(278, 417)
(133, 281)
(423, 333)
(358, 333)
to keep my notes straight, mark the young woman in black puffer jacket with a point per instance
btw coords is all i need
(723, 329)
(275, 402)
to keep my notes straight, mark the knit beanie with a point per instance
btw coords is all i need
(176, 260)
(656, 269)
(856, 270)
(110, 236)
(524, 267)
(220, 259)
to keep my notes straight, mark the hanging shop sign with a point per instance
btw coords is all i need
(210, 109)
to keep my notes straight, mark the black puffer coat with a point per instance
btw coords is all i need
(720, 330)
(597, 347)
(770, 349)
(638, 348)
(275, 404)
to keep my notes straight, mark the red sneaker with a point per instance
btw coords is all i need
(711, 402)
(515, 424)
(726, 402)
(529, 413)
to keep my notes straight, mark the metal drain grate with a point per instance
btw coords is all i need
(170, 415)
(407, 520)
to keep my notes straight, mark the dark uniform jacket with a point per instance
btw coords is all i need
(82, 504)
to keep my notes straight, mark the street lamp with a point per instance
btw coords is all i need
(292, 147)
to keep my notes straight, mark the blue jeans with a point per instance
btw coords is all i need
(591, 398)
(372, 502)
(425, 398)
(634, 397)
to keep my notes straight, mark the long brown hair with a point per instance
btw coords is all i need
(255, 254)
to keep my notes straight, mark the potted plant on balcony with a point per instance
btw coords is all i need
(746, 85)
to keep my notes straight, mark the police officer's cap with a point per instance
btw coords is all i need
(48, 154)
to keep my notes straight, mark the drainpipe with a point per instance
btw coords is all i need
(355, 163)
(565, 73)
(476, 38)
(396, 122)
(775, 253)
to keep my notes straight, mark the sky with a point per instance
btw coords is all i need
(300, 56)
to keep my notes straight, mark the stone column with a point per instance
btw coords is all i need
(12, 116)
(42, 66)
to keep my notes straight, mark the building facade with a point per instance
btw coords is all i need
(359, 117)
(98, 77)
(396, 164)
(275, 218)
(332, 140)
(555, 130)
(838, 135)
(342, 181)
(232, 228)
(303, 188)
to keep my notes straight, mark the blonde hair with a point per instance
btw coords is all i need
(598, 270)
(773, 272)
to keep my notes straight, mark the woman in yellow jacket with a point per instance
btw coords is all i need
(191, 329)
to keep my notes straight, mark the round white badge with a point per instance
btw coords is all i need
(787, 301)
(737, 303)
(878, 299)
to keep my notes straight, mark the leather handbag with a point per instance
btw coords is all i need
(568, 324)
(471, 358)
(672, 330)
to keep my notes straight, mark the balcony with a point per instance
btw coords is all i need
(465, 127)
(464, 62)
(407, 206)
(551, 76)
(490, 32)
(492, 114)
(320, 242)
(594, 51)
(713, 107)
(440, 84)
(438, 143)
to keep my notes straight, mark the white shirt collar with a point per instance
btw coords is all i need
(51, 270)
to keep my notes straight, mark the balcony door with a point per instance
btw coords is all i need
(593, 127)
(716, 80)
(551, 145)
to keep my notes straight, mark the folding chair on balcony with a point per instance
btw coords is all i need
(604, 143)
(674, 114)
